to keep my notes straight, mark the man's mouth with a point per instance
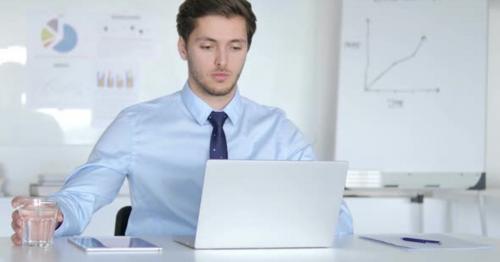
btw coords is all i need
(220, 76)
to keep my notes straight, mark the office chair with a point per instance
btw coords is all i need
(122, 220)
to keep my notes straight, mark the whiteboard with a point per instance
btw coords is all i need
(412, 85)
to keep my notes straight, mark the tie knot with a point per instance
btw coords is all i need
(217, 119)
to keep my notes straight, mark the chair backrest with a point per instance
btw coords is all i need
(122, 220)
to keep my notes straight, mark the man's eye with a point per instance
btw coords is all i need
(236, 48)
(206, 47)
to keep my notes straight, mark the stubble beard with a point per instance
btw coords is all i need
(212, 90)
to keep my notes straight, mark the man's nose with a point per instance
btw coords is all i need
(221, 58)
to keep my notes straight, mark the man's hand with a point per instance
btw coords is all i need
(17, 221)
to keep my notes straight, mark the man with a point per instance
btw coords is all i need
(162, 146)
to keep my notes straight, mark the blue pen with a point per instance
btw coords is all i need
(420, 240)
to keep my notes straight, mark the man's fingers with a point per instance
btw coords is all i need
(16, 239)
(60, 216)
(15, 215)
(18, 200)
(16, 225)
(17, 221)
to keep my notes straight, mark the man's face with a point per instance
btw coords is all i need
(216, 51)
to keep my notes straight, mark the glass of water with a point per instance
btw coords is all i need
(39, 217)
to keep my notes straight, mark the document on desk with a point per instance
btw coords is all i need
(424, 241)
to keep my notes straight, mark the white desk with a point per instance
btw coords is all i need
(347, 249)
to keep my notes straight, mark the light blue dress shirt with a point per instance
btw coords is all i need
(161, 147)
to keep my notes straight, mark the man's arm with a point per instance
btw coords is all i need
(97, 183)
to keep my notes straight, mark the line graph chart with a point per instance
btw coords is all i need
(370, 83)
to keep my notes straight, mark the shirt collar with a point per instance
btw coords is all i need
(201, 110)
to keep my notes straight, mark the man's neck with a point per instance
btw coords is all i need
(215, 102)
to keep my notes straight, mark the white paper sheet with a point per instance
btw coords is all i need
(446, 242)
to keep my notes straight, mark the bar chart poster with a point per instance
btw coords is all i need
(412, 85)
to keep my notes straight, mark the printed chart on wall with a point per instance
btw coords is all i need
(412, 86)
(86, 66)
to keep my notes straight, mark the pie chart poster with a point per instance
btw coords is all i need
(61, 57)
(68, 35)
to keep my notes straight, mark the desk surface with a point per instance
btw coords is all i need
(346, 249)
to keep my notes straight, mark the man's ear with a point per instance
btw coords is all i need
(181, 46)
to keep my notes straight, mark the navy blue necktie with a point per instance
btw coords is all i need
(218, 144)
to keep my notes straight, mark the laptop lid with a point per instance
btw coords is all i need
(270, 204)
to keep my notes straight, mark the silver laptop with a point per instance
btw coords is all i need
(269, 204)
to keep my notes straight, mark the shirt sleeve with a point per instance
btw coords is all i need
(300, 149)
(97, 182)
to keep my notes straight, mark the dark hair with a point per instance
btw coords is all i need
(191, 10)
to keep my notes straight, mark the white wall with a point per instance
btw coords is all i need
(455, 213)
(493, 136)
(327, 59)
